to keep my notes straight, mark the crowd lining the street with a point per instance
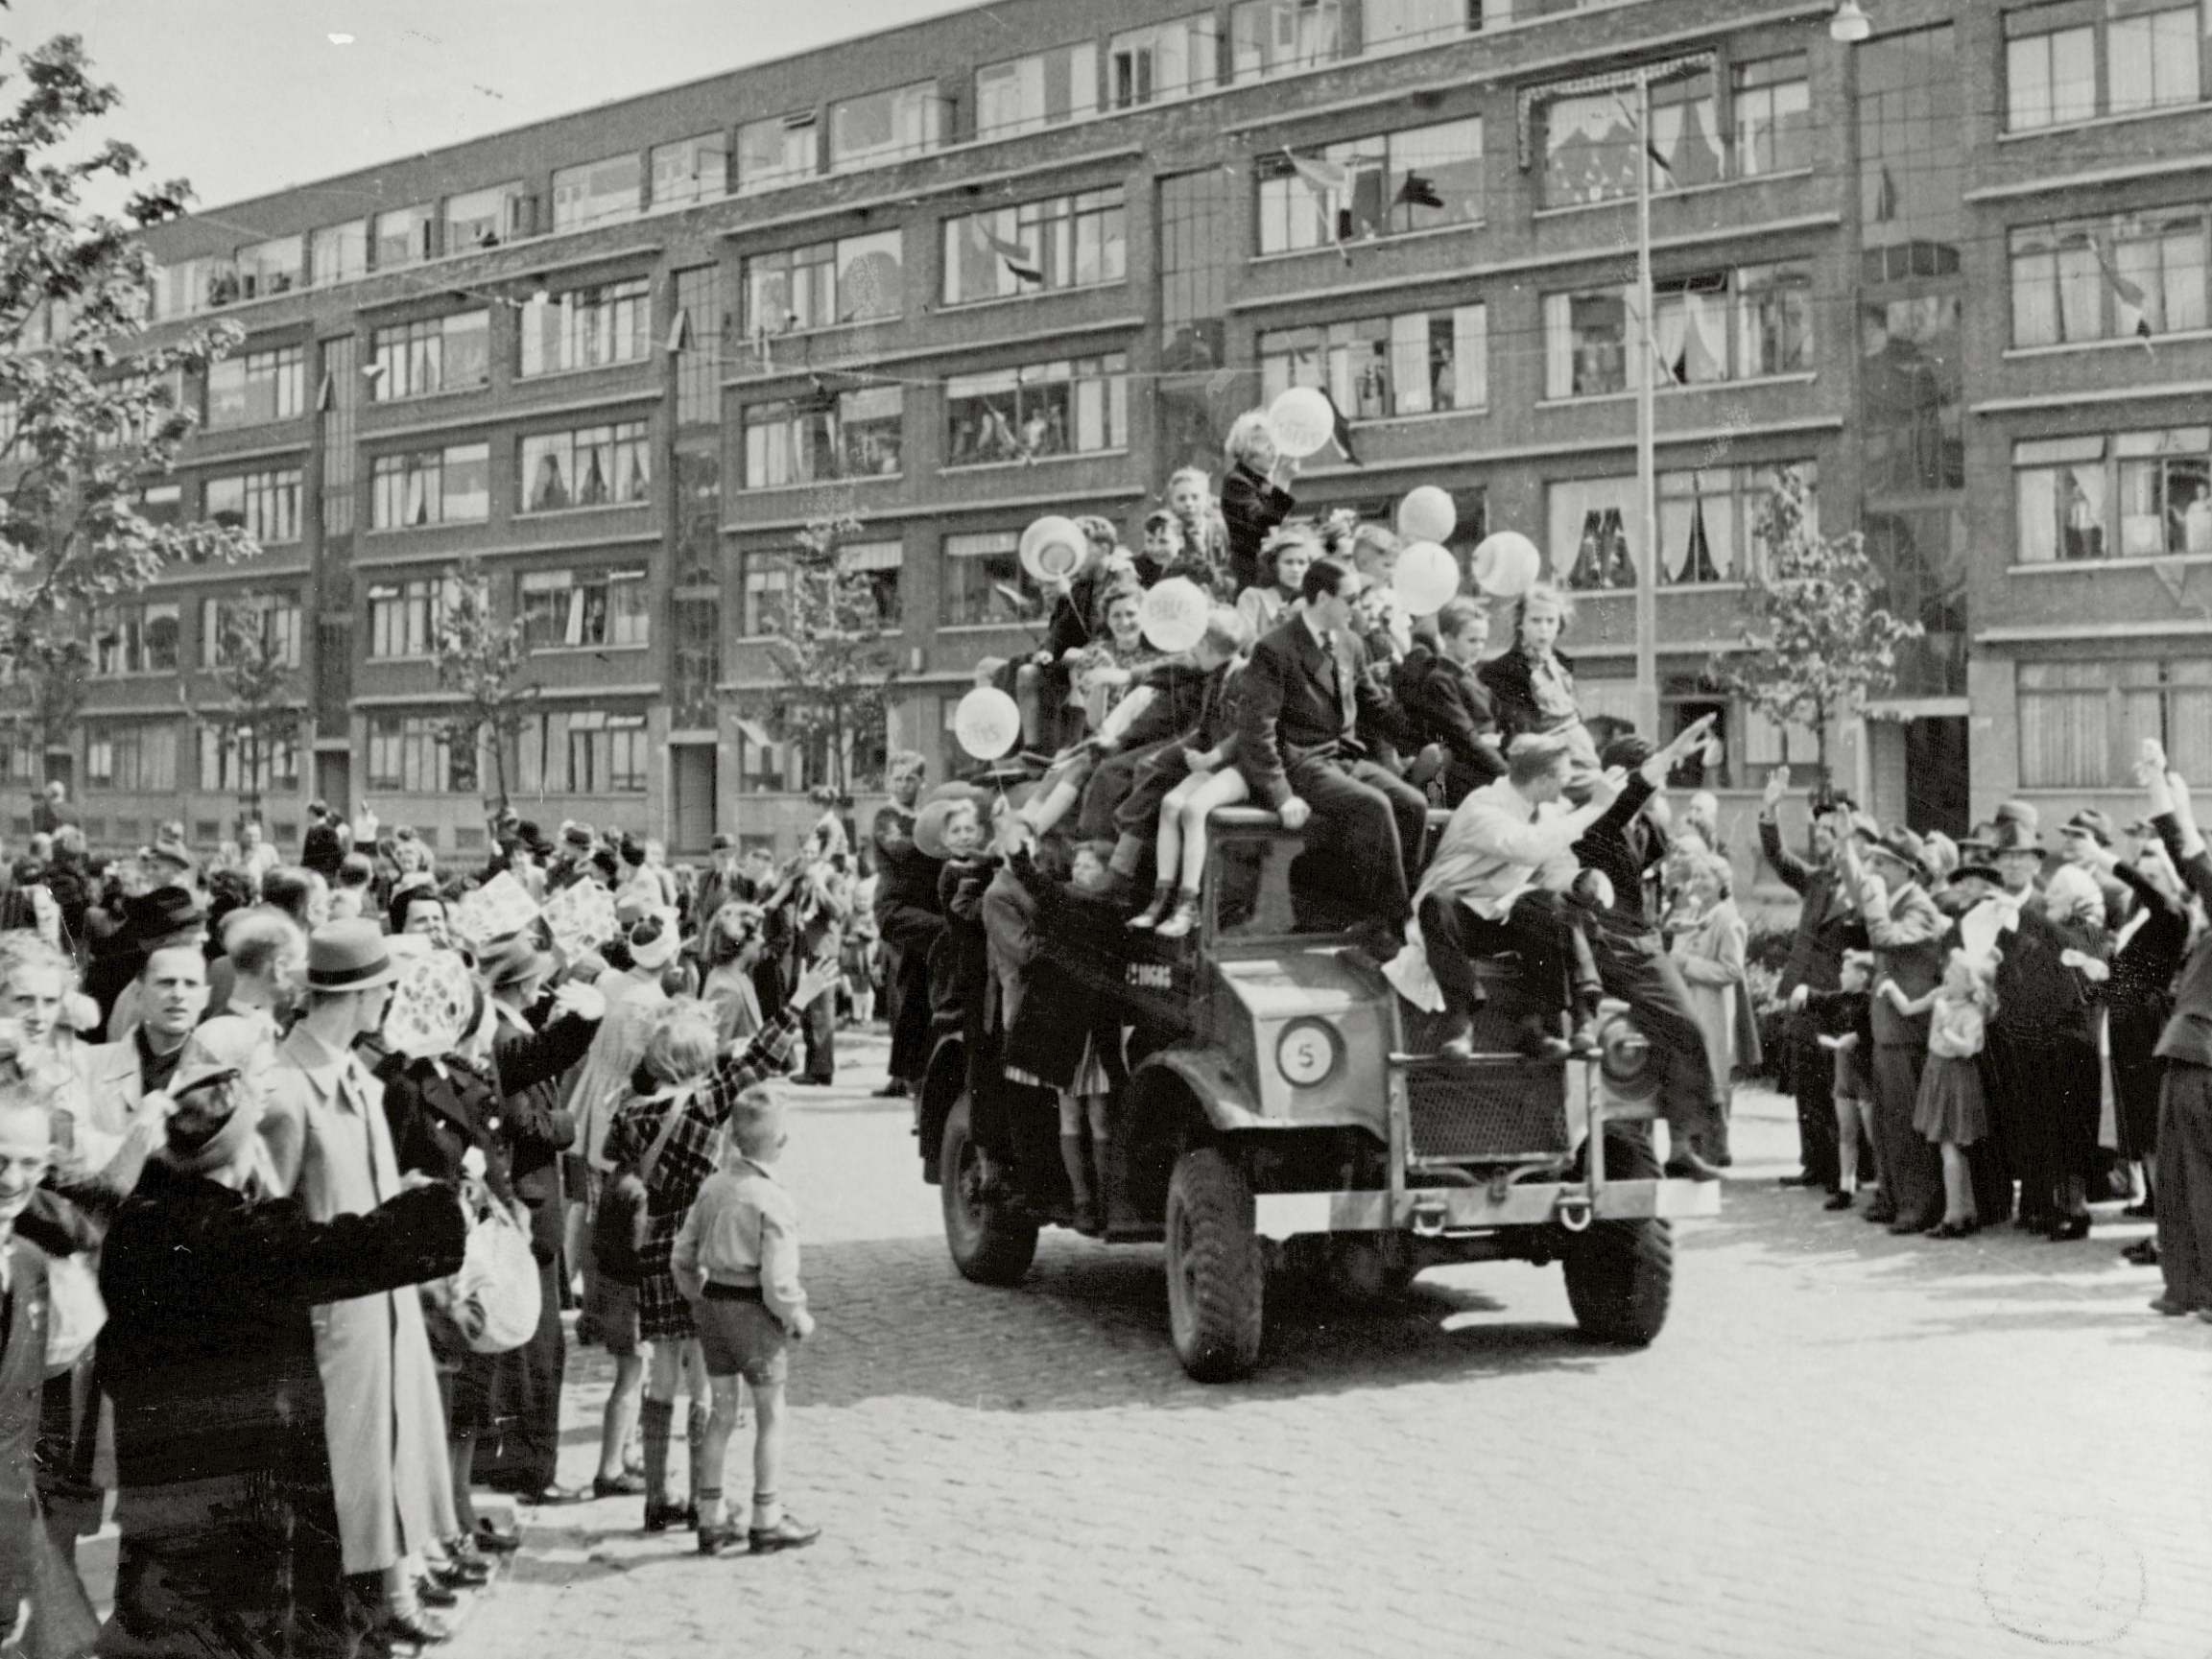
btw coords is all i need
(314, 1349)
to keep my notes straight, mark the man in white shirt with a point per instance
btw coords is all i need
(1499, 882)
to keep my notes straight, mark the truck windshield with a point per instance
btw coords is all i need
(1271, 886)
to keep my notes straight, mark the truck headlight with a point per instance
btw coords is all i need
(1307, 1051)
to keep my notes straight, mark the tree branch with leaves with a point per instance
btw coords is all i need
(262, 712)
(834, 650)
(1816, 646)
(482, 656)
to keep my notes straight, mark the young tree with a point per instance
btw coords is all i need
(482, 658)
(834, 650)
(42, 692)
(88, 414)
(261, 713)
(1816, 647)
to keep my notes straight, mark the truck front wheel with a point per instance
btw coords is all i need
(1620, 1274)
(1216, 1275)
(989, 1242)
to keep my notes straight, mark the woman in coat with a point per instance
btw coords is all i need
(2139, 998)
(1710, 955)
(231, 1538)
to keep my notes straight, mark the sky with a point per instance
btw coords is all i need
(244, 97)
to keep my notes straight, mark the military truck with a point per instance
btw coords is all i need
(1286, 1113)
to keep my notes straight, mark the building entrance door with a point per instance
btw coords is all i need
(693, 784)
(334, 782)
(1936, 794)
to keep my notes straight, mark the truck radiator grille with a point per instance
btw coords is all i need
(1497, 1112)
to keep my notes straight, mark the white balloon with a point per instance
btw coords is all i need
(1507, 564)
(987, 723)
(1053, 548)
(1174, 614)
(1304, 421)
(1427, 578)
(1427, 514)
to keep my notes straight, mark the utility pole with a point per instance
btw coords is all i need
(1644, 353)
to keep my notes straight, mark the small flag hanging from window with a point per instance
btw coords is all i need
(2126, 292)
(1016, 258)
(1417, 192)
(1340, 430)
(680, 332)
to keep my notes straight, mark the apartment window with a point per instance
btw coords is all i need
(882, 126)
(272, 266)
(690, 170)
(2125, 495)
(1279, 36)
(338, 253)
(2081, 723)
(593, 466)
(408, 754)
(775, 150)
(767, 591)
(404, 617)
(1046, 89)
(985, 584)
(265, 505)
(404, 236)
(854, 279)
(442, 355)
(696, 623)
(2150, 58)
(1592, 149)
(1420, 362)
(1716, 326)
(180, 290)
(277, 615)
(701, 326)
(162, 503)
(589, 328)
(134, 755)
(1414, 180)
(589, 751)
(487, 218)
(336, 402)
(1164, 60)
(1064, 242)
(843, 435)
(1771, 103)
(1073, 407)
(568, 610)
(2110, 277)
(877, 563)
(1394, 25)
(1709, 525)
(431, 486)
(598, 192)
(256, 387)
(140, 638)
(697, 469)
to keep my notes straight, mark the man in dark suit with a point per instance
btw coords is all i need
(1304, 692)
(323, 850)
(1907, 932)
(2185, 1177)
(1446, 704)
(1828, 925)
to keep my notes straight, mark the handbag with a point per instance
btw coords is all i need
(496, 1298)
(618, 1227)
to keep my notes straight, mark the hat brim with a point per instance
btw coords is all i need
(1978, 873)
(383, 976)
(513, 971)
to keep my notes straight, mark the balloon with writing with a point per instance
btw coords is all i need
(1427, 578)
(987, 723)
(430, 1007)
(1427, 514)
(1303, 420)
(1174, 614)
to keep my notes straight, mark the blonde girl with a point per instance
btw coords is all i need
(1950, 1110)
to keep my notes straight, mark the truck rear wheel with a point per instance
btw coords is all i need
(1620, 1275)
(989, 1242)
(1216, 1275)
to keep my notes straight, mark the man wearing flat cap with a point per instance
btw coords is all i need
(330, 1146)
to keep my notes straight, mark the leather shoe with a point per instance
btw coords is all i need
(491, 1538)
(1533, 1041)
(623, 1485)
(721, 1540)
(786, 1534)
(660, 1517)
(1881, 1214)
(1837, 1201)
(895, 1090)
(2069, 1229)
(2169, 1307)
(1799, 1180)
(2143, 1253)
(432, 1594)
(462, 1575)
(422, 1629)
(552, 1497)
(1686, 1166)
(1904, 1224)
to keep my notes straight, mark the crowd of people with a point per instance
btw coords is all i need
(2008, 1028)
(234, 1147)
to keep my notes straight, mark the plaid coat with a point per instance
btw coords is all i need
(686, 1162)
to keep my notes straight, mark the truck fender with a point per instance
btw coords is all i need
(1207, 1079)
(941, 1084)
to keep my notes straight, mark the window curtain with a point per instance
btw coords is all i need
(1559, 345)
(2080, 294)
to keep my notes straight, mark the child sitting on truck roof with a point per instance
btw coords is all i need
(1206, 757)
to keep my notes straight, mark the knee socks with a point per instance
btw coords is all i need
(656, 1417)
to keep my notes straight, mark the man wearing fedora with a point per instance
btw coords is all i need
(1907, 932)
(330, 1146)
(1828, 924)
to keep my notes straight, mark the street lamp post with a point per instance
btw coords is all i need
(1646, 355)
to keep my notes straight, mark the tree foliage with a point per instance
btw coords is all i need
(88, 414)
(1814, 647)
(260, 713)
(834, 650)
(482, 656)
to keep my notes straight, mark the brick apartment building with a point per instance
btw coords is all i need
(1025, 259)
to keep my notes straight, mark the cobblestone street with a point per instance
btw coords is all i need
(1843, 1443)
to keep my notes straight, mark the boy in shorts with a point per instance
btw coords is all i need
(737, 1259)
